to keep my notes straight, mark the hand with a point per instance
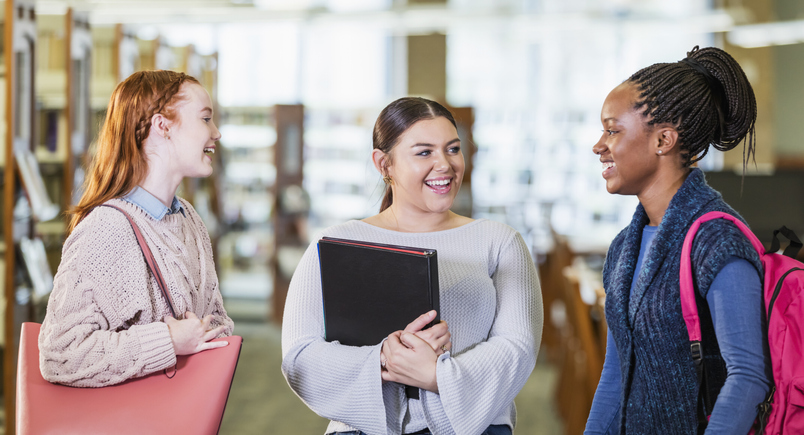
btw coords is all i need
(437, 336)
(192, 334)
(409, 360)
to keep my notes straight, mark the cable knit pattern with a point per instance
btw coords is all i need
(491, 299)
(104, 318)
(659, 383)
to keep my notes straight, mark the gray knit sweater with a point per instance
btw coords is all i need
(491, 300)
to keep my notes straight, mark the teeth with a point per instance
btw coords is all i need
(437, 183)
(209, 150)
(607, 165)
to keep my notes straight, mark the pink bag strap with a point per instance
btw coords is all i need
(149, 259)
(688, 306)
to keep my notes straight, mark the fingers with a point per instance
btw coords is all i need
(443, 348)
(213, 345)
(412, 341)
(421, 322)
(190, 315)
(212, 333)
(434, 332)
(206, 322)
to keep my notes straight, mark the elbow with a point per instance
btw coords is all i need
(49, 376)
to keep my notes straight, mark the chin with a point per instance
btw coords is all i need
(441, 209)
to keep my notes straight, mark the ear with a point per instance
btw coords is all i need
(664, 140)
(380, 160)
(160, 125)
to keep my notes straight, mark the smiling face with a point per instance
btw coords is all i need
(629, 161)
(193, 133)
(427, 166)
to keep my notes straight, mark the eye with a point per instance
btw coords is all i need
(424, 153)
(611, 132)
(455, 149)
(207, 120)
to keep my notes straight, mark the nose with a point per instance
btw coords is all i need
(600, 147)
(442, 162)
(216, 134)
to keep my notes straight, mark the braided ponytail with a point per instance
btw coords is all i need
(120, 162)
(706, 96)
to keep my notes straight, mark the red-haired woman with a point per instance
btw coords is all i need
(107, 320)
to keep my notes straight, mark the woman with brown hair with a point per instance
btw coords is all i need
(468, 373)
(107, 320)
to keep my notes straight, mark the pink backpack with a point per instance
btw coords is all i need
(783, 410)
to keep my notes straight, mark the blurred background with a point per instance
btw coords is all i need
(298, 85)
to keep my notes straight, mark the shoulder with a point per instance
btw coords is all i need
(102, 236)
(102, 222)
(715, 244)
(497, 232)
(721, 234)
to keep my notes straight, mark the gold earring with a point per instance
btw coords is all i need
(387, 180)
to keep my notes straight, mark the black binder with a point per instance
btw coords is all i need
(371, 290)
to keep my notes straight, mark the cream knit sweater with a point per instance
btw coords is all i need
(491, 300)
(104, 318)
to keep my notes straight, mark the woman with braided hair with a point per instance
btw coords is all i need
(107, 320)
(656, 125)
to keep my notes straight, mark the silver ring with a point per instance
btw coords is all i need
(382, 363)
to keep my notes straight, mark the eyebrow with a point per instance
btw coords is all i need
(429, 145)
(610, 119)
(206, 109)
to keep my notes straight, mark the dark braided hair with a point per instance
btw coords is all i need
(706, 96)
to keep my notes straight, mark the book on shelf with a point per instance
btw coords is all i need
(42, 207)
(33, 252)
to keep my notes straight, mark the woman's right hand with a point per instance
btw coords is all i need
(437, 336)
(191, 335)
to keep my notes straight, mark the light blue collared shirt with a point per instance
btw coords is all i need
(153, 206)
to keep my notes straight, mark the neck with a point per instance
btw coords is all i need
(655, 199)
(408, 221)
(160, 183)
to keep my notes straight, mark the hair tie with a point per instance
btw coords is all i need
(718, 93)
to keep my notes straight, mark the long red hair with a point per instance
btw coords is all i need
(120, 163)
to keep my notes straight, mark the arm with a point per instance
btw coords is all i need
(219, 316)
(606, 404)
(215, 304)
(341, 383)
(473, 389)
(93, 334)
(735, 301)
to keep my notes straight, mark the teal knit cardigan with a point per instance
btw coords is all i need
(659, 382)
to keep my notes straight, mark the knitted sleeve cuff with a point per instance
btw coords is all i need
(156, 346)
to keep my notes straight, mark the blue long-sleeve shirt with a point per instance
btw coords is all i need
(735, 302)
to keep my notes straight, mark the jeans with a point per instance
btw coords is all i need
(494, 429)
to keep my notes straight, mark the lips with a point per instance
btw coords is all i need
(608, 167)
(439, 185)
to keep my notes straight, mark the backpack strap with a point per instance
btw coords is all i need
(792, 249)
(689, 308)
(149, 259)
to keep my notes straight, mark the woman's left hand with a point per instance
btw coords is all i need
(409, 360)
(437, 336)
